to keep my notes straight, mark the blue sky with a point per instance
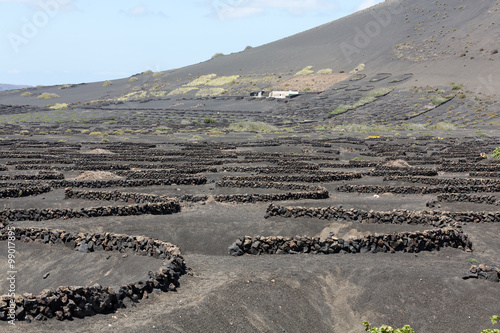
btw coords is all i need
(45, 42)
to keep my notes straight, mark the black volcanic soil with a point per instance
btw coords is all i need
(268, 293)
(433, 71)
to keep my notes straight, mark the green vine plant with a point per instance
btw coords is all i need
(408, 329)
(387, 329)
(496, 153)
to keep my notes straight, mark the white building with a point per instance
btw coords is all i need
(283, 94)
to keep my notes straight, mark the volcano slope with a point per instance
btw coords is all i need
(367, 197)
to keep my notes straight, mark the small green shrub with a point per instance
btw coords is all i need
(248, 47)
(66, 86)
(210, 92)
(305, 71)
(387, 329)
(133, 79)
(202, 80)
(438, 101)
(157, 74)
(340, 109)
(209, 121)
(59, 106)
(217, 55)
(325, 71)
(26, 94)
(252, 126)
(181, 91)
(461, 96)
(147, 72)
(494, 320)
(48, 96)
(107, 84)
(95, 133)
(496, 153)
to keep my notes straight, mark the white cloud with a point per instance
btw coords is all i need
(367, 4)
(63, 4)
(230, 9)
(142, 11)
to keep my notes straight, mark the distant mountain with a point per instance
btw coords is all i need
(4, 87)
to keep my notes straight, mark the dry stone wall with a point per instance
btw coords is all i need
(23, 190)
(68, 302)
(403, 216)
(410, 242)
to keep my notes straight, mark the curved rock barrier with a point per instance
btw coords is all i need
(464, 167)
(485, 174)
(161, 174)
(403, 172)
(416, 189)
(320, 193)
(23, 191)
(34, 214)
(173, 180)
(403, 216)
(130, 197)
(42, 176)
(267, 170)
(332, 177)
(67, 302)
(460, 197)
(409, 242)
(259, 184)
(444, 181)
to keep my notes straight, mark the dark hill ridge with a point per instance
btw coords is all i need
(4, 86)
(447, 46)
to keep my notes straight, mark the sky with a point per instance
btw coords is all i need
(46, 42)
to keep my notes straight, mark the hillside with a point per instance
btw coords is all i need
(4, 87)
(445, 48)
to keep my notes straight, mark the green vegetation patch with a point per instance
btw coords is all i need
(325, 71)
(387, 329)
(496, 153)
(368, 98)
(252, 126)
(223, 80)
(206, 92)
(107, 83)
(26, 94)
(59, 106)
(48, 96)
(181, 91)
(305, 71)
(202, 80)
(133, 79)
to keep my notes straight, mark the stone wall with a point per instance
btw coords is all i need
(130, 197)
(444, 181)
(403, 216)
(410, 242)
(41, 176)
(67, 302)
(252, 198)
(311, 178)
(23, 190)
(460, 197)
(417, 189)
(34, 214)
